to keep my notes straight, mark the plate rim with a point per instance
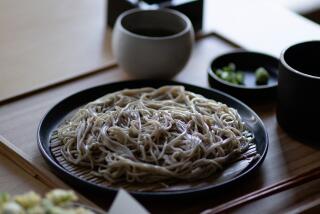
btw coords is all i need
(113, 190)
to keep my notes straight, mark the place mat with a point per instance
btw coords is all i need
(47, 42)
(258, 25)
(286, 157)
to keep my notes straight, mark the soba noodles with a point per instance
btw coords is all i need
(149, 135)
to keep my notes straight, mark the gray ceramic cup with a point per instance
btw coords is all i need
(152, 43)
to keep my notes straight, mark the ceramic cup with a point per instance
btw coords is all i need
(152, 43)
(298, 110)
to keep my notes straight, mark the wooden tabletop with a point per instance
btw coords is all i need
(45, 42)
(19, 120)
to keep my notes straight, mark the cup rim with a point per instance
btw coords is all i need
(285, 64)
(137, 10)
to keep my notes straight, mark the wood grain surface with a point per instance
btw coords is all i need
(18, 175)
(45, 42)
(281, 186)
(286, 157)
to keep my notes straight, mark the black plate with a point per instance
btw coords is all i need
(56, 116)
(246, 62)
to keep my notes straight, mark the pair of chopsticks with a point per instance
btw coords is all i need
(283, 185)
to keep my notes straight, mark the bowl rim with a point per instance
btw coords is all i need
(232, 85)
(288, 67)
(186, 29)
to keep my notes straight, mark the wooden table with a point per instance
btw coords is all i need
(286, 157)
(18, 175)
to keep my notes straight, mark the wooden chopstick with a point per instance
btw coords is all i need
(285, 184)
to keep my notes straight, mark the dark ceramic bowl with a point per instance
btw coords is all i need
(246, 62)
(298, 110)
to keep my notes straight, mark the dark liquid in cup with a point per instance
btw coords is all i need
(153, 32)
(304, 58)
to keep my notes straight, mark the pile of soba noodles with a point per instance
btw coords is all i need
(150, 135)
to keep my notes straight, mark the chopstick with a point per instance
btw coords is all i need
(285, 184)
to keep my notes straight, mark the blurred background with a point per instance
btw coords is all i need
(307, 8)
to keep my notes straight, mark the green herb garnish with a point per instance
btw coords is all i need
(228, 73)
(262, 76)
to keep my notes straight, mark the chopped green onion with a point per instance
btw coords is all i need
(240, 77)
(228, 73)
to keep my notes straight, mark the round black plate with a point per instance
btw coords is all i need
(247, 62)
(57, 114)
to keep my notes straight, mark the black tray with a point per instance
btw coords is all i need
(56, 116)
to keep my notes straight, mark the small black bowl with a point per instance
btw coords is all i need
(246, 62)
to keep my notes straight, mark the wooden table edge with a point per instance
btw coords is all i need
(40, 88)
(14, 154)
